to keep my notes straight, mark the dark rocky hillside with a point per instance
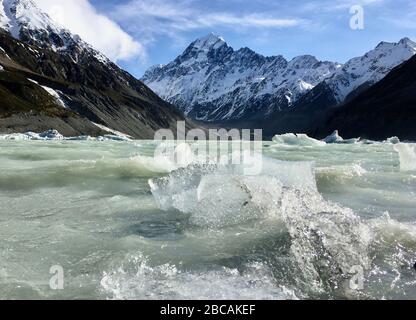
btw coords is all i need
(92, 90)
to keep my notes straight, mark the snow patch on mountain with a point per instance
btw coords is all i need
(55, 94)
(115, 132)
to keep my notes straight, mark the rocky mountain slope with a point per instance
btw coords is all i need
(212, 82)
(50, 78)
(386, 109)
(363, 72)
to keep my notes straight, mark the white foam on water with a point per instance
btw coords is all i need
(407, 155)
(164, 161)
(342, 173)
(155, 164)
(392, 231)
(137, 279)
(327, 240)
(396, 243)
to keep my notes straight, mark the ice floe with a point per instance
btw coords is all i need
(54, 135)
(297, 140)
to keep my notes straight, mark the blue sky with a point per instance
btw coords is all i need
(159, 30)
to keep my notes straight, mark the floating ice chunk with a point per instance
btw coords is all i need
(334, 138)
(55, 135)
(218, 195)
(393, 140)
(297, 140)
(47, 135)
(51, 135)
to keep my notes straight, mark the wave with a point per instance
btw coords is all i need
(339, 174)
(393, 232)
(81, 173)
(407, 155)
(327, 240)
(393, 266)
(138, 279)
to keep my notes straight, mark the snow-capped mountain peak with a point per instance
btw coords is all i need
(210, 81)
(209, 42)
(224, 83)
(19, 14)
(27, 22)
(205, 50)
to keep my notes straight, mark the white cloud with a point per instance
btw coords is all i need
(253, 20)
(169, 18)
(81, 18)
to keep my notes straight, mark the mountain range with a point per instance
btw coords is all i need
(51, 78)
(212, 82)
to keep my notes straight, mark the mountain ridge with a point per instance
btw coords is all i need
(210, 81)
(211, 59)
(384, 110)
